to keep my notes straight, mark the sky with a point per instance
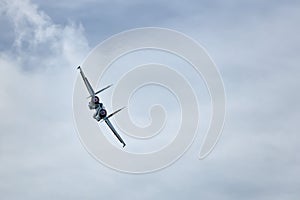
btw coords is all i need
(255, 45)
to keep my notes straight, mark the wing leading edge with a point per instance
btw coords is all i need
(87, 83)
(114, 131)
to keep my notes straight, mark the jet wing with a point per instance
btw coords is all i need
(114, 131)
(87, 83)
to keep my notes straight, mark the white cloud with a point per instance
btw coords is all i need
(39, 43)
(37, 72)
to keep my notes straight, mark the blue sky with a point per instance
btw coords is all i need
(255, 44)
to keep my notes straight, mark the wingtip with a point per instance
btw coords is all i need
(124, 145)
(78, 67)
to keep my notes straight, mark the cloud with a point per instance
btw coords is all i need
(37, 139)
(38, 67)
(37, 36)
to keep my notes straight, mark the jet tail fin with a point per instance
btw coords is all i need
(102, 90)
(112, 114)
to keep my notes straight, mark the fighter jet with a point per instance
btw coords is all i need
(95, 104)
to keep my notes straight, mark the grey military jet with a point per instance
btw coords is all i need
(95, 104)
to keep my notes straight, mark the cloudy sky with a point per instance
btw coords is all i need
(255, 45)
